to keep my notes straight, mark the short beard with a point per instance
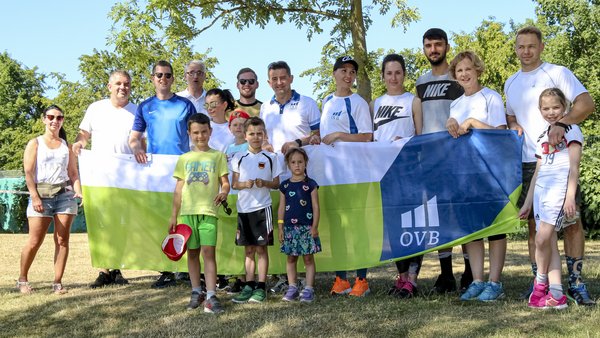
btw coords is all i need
(438, 62)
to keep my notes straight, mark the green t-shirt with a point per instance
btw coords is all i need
(201, 172)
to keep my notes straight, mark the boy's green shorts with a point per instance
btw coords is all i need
(204, 230)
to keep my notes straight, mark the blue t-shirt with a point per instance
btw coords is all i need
(298, 203)
(165, 123)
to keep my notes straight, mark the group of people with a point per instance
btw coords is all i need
(227, 144)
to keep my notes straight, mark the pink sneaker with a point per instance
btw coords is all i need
(537, 295)
(549, 302)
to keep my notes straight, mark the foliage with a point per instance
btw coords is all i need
(21, 103)
(187, 19)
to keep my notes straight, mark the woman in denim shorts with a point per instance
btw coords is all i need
(53, 183)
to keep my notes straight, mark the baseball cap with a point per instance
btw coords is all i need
(175, 244)
(342, 60)
(238, 113)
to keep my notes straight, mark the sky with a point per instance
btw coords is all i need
(52, 35)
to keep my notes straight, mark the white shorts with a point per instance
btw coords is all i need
(548, 205)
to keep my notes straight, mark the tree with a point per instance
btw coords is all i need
(21, 104)
(350, 18)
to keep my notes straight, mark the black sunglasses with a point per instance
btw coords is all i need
(58, 117)
(160, 75)
(248, 81)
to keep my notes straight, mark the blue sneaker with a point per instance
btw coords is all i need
(291, 294)
(491, 292)
(473, 290)
(579, 294)
(307, 295)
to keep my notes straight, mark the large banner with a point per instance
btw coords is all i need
(380, 202)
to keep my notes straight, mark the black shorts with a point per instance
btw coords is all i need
(255, 228)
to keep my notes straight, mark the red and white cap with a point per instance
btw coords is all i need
(175, 244)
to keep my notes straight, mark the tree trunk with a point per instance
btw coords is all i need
(359, 43)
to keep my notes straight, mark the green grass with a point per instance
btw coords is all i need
(136, 310)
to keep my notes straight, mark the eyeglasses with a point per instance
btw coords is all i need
(59, 118)
(248, 81)
(160, 75)
(196, 73)
(211, 105)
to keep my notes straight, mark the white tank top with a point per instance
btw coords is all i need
(52, 164)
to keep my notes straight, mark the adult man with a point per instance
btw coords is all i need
(291, 118)
(195, 75)
(247, 83)
(522, 92)
(436, 90)
(108, 122)
(164, 118)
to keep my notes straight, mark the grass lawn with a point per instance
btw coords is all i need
(137, 310)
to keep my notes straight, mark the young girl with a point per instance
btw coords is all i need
(298, 220)
(555, 181)
(219, 102)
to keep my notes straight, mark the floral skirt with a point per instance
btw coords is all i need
(297, 241)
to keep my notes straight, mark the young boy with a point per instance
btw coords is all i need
(255, 173)
(202, 184)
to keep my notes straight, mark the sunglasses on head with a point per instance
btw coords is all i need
(160, 75)
(58, 117)
(248, 81)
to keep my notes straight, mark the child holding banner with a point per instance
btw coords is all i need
(255, 173)
(299, 211)
(553, 198)
(202, 185)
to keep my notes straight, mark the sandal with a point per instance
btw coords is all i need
(24, 287)
(58, 289)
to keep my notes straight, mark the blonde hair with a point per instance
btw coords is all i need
(479, 66)
(555, 92)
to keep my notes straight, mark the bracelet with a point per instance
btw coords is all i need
(279, 221)
(560, 124)
(299, 141)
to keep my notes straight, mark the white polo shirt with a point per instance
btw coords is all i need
(110, 126)
(198, 102)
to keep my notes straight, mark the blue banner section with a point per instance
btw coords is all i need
(440, 189)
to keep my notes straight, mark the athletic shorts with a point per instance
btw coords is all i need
(63, 203)
(548, 205)
(255, 228)
(204, 230)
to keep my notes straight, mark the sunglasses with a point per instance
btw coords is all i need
(59, 118)
(248, 81)
(160, 75)
(211, 105)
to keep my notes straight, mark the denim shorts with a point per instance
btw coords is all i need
(63, 203)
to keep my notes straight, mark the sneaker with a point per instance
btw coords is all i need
(212, 305)
(58, 289)
(444, 284)
(280, 286)
(184, 278)
(340, 287)
(258, 296)
(525, 294)
(361, 288)
(236, 288)
(537, 295)
(398, 284)
(223, 284)
(165, 280)
(492, 292)
(473, 291)
(117, 277)
(291, 294)
(465, 282)
(407, 290)
(195, 300)
(307, 295)
(548, 302)
(102, 280)
(580, 295)
(244, 296)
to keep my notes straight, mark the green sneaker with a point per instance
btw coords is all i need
(244, 296)
(258, 296)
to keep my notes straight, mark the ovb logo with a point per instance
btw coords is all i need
(425, 221)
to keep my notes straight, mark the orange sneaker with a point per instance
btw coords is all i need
(361, 288)
(340, 286)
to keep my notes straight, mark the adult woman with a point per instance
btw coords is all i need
(53, 183)
(397, 114)
(481, 108)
